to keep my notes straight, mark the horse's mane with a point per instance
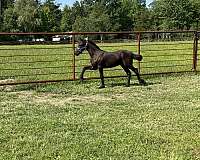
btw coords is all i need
(94, 44)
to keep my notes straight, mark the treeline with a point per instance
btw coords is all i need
(98, 15)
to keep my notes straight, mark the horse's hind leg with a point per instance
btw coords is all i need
(102, 78)
(128, 75)
(135, 70)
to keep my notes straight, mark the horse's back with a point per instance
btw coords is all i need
(112, 59)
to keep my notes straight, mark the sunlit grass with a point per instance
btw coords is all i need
(78, 121)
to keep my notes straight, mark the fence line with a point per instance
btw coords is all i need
(21, 65)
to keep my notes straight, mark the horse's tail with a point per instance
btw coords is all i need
(137, 57)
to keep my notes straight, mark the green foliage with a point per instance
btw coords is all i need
(99, 15)
(196, 15)
(66, 21)
(137, 13)
(27, 15)
(97, 20)
(174, 14)
(50, 16)
(10, 20)
(4, 4)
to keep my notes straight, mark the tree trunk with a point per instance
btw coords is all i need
(0, 8)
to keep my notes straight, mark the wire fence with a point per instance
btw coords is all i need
(35, 61)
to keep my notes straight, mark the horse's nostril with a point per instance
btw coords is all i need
(77, 53)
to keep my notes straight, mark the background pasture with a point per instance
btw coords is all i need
(55, 62)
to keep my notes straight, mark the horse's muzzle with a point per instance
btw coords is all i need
(78, 51)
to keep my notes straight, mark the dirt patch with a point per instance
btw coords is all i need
(60, 100)
(7, 88)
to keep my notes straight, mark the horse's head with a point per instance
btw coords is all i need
(81, 46)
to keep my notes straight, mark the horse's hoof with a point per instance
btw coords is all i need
(142, 82)
(101, 87)
(81, 80)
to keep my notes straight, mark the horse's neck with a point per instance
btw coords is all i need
(93, 51)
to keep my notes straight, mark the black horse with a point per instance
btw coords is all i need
(101, 59)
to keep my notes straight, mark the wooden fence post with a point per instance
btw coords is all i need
(195, 50)
(73, 59)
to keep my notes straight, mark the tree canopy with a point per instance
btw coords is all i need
(98, 15)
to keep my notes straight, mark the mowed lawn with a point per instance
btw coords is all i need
(70, 120)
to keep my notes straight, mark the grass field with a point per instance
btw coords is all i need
(78, 121)
(54, 62)
(70, 120)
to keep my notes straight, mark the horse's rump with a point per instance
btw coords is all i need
(137, 56)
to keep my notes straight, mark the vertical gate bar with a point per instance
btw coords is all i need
(74, 59)
(139, 48)
(195, 48)
(197, 51)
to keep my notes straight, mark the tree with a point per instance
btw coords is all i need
(66, 21)
(10, 20)
(113, 9)
(72, 14)
(196, 14)
(142, 2)
(27, 15)
(97, 20)
(1, 7)
(4, 4)
(50, 15)
(175, 14)
(137, 13)
(98, 15)
(79, 9)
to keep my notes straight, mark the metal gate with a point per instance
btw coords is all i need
(24, 61)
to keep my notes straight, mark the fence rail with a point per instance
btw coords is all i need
(163, 52)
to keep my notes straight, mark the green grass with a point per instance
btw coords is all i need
(167, 57)
(50, 62)
(78, 121)
(54, 62)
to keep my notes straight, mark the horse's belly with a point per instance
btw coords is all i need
(111, 63)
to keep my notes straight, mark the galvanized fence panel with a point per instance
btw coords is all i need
(163, 52)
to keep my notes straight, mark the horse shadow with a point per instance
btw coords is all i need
(148, 83)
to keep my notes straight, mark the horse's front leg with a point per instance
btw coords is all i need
(101, 77)
(89, 67)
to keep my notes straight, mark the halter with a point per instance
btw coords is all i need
(81, 49)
